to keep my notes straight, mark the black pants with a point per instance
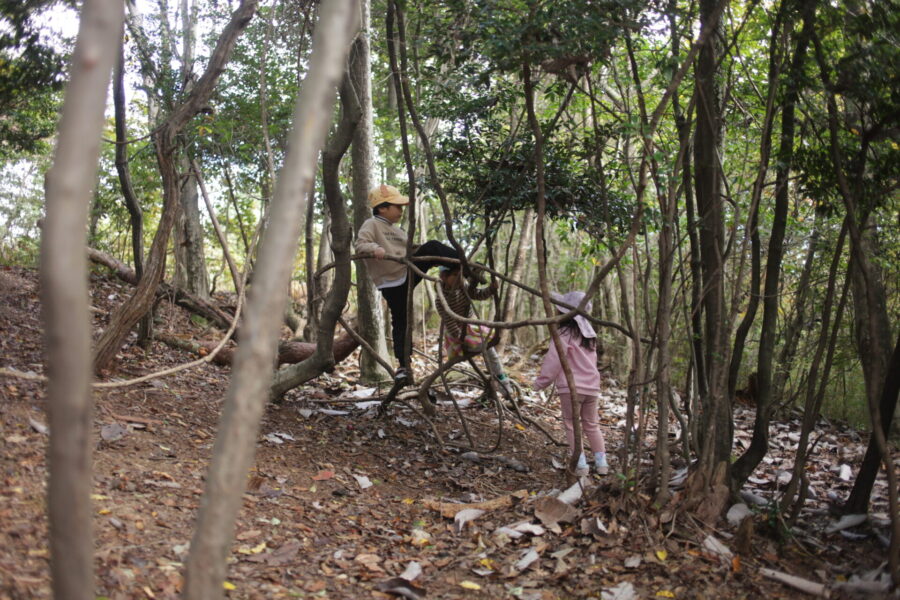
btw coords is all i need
(396, 296)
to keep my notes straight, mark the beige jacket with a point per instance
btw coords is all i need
(377, 232)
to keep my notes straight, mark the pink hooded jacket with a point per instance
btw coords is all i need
(582, 361)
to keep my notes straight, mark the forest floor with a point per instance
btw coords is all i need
(342, 502)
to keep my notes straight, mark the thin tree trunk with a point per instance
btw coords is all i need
(223, 241)
(342, 236)
(869, 299)
(526, 236)
(312, 283)
(858, 502)
(398, 79)
(64, 300)
(759, 443)
(131, 202)
(816, 382)
(743, 330)
(190, 255)
(794, 329)
(237, 214)
(666, 244)
(549, 310)
(717, 427)
(368, 300)
(234, 447)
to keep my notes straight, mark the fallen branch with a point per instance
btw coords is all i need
(289, 353)
(194, 304)
(798, 583)
(449, 509)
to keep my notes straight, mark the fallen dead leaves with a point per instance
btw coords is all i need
(340, 506)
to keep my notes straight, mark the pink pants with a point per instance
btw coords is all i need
(589, 421)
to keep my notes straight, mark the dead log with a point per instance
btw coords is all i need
(289, 353)
(189, 302)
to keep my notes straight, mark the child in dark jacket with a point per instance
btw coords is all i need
(461, 337)
(579, 342)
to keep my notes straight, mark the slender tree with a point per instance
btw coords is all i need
(235, 441)
(166, 145)
(64, 298)
(368, 301)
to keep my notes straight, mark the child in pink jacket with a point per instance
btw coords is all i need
(580, 343)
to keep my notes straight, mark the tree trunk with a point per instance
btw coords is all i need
(752, 231)
(220, 235)
(716, 425)
(793, 331)
(869, 299)
(549, 310)
(190, 256)
(817, 381)
(234, 446)
(185, 300)
(666, 244)
(526, 237)
(312, 283)
(342, 236)
(135, 213)
(368, 300)
(165, 140)
(289, 353)
(64, 300)
(858, 502)
(759, 443)
(874, 364)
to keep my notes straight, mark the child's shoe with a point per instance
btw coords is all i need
(600, 463)
(581, 469)
(401, 376)
(506, 384)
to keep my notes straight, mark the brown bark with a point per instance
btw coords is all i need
(135, 213)
(526, 238)
(341, 234)
(166, 144)
(196, 305)
(368, 300)
(759, 443)
(549, 310)
(818, 374)
(743, 330)
(289, 353)
(869, 299)
(233, 451)
(220, 235)
(716, 426)
(64, 300)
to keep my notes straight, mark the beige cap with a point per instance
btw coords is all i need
(386, 193)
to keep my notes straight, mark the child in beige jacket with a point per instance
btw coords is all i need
(380, 236)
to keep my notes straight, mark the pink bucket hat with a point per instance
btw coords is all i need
(574, 299)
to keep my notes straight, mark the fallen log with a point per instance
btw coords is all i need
(190, 302)
(289, 353)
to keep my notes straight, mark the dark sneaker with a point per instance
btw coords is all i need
(401, 375)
